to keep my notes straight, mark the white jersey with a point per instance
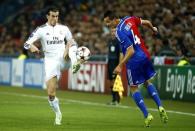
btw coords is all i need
(52, 39)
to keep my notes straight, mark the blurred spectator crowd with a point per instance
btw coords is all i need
(175, 20)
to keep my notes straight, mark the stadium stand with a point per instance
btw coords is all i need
(175, 20)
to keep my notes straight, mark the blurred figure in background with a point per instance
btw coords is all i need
(23, 55)
(184, 61)
(114, 55)
(52, 37)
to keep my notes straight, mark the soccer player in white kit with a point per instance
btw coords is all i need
(52, 37)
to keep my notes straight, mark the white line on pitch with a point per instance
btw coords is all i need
(96, 104)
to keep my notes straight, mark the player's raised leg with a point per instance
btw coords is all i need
(72, 54)
(140, 103)
(53, 100)
(154, 94)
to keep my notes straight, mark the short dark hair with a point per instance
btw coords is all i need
(110, 14)
(52, 8)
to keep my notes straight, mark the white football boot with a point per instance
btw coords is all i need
(58, 119)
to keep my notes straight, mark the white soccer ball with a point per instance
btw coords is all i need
(83, 53)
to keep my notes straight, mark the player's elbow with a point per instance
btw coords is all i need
(146, 22)
(71, 42)
(26, 46)
(131, 51)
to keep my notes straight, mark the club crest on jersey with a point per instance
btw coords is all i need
(128, 26)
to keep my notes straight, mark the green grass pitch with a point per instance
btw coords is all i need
(24, 109)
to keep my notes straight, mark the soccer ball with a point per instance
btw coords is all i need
(83, 53)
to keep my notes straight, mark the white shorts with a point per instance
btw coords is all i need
(53, 67)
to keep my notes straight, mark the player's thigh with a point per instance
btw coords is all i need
(148, 71)
(52, 85)
(52, 82)
(135, 76)
(133, 89)
(52, 69)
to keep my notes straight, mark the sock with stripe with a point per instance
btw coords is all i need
(154, 94)
(140, 102)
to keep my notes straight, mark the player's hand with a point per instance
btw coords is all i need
(66, 57)
(155, 30)
(117, 70)
(34, 49)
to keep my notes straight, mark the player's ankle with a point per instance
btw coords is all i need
(160, 107)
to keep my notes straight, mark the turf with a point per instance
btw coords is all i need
(27, 109)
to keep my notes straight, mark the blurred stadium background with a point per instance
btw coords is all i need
(84, 96)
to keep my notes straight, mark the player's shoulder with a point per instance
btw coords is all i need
(123, 22)
(42, 26)
(136, 18)
(132, 18)
(39, 28)
(62, 26)
(119, 35)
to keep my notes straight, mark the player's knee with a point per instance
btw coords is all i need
(51, 92)
(51, 97)
(133, 89)
(150, 80)
(147, 83)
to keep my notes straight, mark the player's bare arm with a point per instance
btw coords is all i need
(129, 53)
(70, 43)
(32, 48)
(149, 24)
(121, 57)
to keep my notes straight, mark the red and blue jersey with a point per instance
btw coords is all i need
(128, 34)
(139, 67)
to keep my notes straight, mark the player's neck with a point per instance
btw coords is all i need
(51, 24)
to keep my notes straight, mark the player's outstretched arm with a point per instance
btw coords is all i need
(129, 53)
(149, 24)
(35, 36)
(71, 42)
(32, 48)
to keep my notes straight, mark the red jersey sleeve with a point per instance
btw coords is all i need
(137, 20)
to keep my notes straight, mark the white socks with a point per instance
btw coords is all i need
(72, 54)
(55, 105)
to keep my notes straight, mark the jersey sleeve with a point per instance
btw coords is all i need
(68, 34)
(124, 40)
(137, 20)
(69, 37)
(35, 35)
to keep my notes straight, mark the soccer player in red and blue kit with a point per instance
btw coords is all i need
(140, 70)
